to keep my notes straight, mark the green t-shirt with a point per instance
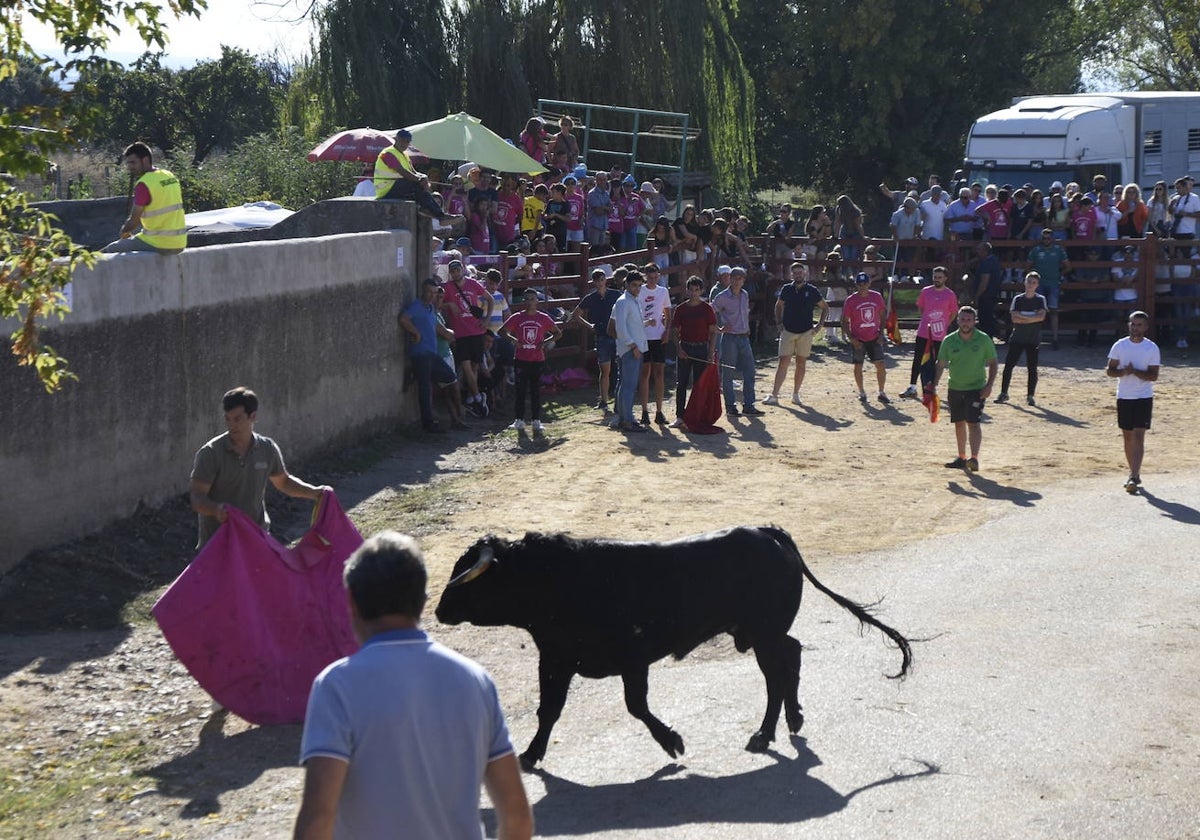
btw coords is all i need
(1048, 263)
(967, 360)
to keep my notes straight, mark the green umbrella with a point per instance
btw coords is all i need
(463, 137)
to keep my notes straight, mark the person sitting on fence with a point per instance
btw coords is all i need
(779, 233)
(397, 180)
(156, 221)
(728, 248)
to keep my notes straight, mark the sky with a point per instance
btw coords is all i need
(258, 26)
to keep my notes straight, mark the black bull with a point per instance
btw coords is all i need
(603, 608)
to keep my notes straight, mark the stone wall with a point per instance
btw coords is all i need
(309, 324)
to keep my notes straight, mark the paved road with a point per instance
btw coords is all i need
(1056, 695)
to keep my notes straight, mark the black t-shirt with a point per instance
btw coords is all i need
(1027, 333)
(557, 227)
(598, 309)
(798, 305)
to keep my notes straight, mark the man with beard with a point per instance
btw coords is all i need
(970, 356)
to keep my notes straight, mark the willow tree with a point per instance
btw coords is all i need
(384, 63)
(669, 55)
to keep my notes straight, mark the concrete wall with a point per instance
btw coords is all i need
(309, 324)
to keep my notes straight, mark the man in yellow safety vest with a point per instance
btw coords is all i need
(157, 208)
(397, 180)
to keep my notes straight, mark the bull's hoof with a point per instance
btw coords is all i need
(758, 743)
(528, 761)
(675, 749)
(794, 722)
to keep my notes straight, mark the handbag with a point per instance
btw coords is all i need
(476, 311)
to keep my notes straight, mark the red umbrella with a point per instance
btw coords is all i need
(362, 144)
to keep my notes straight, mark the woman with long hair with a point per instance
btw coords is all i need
(818, 230)
(685, 234)
(848, 223)
(662, 239)
(1039, 216)
(1133, 213)
(1058, 217)
(1159, 211)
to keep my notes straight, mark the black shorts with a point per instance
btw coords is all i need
(965, 405)
(1134, 414)
(872, 350)
(469, 348)
(654, 352)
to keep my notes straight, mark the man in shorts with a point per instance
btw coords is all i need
(656, 314)
(970, 357)
(794, 314)
(938, 306)
(862, 324)
(593, 311)
(1049, 260)
(1027, 312)
(470, 308)
(1134, 362)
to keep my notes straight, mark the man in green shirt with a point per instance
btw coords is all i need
(970, 357)
(1049, 260)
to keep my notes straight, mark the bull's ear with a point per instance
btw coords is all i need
(487, 556)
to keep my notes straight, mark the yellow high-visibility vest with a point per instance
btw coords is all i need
(385, 176)
(163, 225)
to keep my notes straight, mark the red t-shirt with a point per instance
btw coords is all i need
(1083, 224)
(634, 205)
(530, 329)
(865, 315)
(694, 321)
(999, 220)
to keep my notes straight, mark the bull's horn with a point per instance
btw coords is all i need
(486, 558)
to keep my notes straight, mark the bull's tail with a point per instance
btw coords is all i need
(860, 611)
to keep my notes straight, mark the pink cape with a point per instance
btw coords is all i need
(255, 621)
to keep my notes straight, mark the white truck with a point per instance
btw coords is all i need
(1128, 137)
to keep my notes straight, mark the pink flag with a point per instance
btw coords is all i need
(255, 621)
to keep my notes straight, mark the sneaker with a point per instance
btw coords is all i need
(1030, 401)
(538, 428)
(602, 404)
(645, 417)
(1131, 485)
(518, 424)
(677, 423)
(862, 396)
(909, 393)
(796, 399)
(659, 418)
(476, 409)
(731, 411)
(631, 427)
(773, 399)
(510, 376)
(884, 398)
(1182, 344)
(483, 406)
(1003, 398)
(751, 411)
(973, 464)
(957, 464)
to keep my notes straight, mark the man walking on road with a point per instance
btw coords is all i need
(399, 737)
(1134, 362)
(970, 357)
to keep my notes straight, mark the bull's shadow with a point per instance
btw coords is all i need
(779, 793)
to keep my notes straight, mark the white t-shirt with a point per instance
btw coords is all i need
(933, 214)
(1143, 355)
(1123, 273)
(1187, 204)
(655, 303)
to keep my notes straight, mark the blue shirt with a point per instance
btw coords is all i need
(417, 724)
(598, 308)
(424, 319)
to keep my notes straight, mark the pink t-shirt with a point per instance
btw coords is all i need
(939, 308)
(530, 329)
(1083, 224)
(634, 205)
(865, 315)
(509, 209)
(998, 219)
(616, 221)
(480, 233)
(454, 202)
(464, 323)
(576, 201)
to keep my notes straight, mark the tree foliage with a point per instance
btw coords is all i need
(213, 103)
(36, 258)
(850, 93)
(1159, 44)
